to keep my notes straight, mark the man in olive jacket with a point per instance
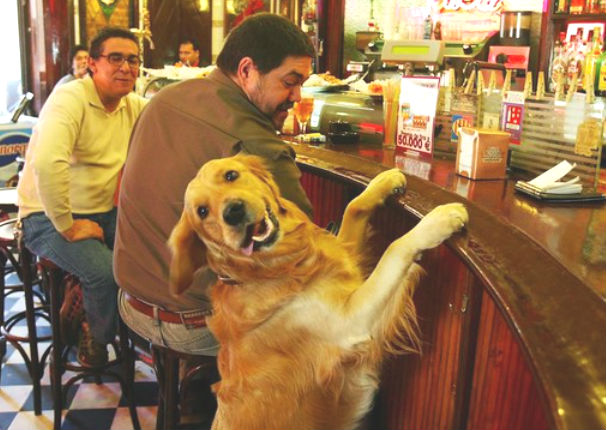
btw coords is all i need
(238, 107)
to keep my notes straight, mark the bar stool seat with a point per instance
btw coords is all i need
(55, 280)
(15, 258)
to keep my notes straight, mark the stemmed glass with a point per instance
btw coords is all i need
(303, 110)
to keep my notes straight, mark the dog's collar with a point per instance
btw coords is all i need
(227, 280)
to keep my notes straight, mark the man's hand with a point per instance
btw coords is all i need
(83, 229)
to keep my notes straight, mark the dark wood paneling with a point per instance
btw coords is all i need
(504, 394)
(331, 30)
(175, 20)
(328, 198)
(50, 42)
(422, 391)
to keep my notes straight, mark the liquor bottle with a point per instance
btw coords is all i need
(560, 6)
(559, 60)
(428, 27)
(599, 83)
(592, 56)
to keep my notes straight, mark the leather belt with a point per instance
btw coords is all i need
(190, 319)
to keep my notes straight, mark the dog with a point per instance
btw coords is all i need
(302, 327)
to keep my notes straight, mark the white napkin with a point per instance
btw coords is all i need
(549, 181)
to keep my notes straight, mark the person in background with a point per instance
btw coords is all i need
(189, 54)
(238, 107)
(79, 69)
(71, 173)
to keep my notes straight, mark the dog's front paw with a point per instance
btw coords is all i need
(440, 224)
(385, 184)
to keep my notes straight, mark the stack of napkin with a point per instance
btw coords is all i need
(549, 181)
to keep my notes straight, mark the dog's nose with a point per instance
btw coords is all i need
(234, 212)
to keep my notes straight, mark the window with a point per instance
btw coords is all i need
(10, 72)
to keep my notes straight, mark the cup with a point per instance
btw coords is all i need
(390, 108)
(302, 110)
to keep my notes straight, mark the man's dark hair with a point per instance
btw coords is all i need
(194, 43)
(107, 33)
(76, 49)
(268, 39)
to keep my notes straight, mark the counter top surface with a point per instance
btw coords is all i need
(572, 233)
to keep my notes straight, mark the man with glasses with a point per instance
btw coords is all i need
(71, 173)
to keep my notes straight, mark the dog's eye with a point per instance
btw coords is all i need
(231, 175)
(202, 211)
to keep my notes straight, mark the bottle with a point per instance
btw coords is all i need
(428, 27)
(560, 6)
(599, 82)
(592, 56)
(559, 60)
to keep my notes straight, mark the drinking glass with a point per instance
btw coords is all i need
(303, 110)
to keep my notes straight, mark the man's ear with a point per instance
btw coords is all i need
(188, 254)
(246, 70)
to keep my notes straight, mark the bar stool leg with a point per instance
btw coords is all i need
(172, 391)
(35, 368)
(128, 365)
(166, 366)
(53, 282)
(3, 341)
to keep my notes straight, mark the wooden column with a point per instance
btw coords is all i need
(50, 39)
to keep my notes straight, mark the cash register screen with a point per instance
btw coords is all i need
(410, 49)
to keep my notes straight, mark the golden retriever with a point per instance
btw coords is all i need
(302, 328)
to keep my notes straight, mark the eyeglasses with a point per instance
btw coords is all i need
(117, 60)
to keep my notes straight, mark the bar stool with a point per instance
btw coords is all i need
(55, 280)
(171, 390)
(14, 257)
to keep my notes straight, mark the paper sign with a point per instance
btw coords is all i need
(416, 113)
(460, 120)
(512, 121)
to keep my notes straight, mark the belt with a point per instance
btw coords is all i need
(190, 319)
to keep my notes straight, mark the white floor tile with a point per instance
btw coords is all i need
(12, 397)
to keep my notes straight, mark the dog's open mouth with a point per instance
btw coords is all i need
(261, 234)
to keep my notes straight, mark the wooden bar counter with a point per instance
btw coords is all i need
(511, 312)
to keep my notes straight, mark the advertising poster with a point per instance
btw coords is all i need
(512, 115)
(416, 114)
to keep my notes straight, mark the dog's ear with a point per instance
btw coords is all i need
(188, 254)
(259, 169)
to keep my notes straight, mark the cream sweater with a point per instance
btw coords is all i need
(76, 152)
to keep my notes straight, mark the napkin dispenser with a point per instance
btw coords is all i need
(482, 153)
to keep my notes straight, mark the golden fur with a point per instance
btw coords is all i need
(303, 332)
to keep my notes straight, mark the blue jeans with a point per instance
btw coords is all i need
(90, 260)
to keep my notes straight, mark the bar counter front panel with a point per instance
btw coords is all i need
(511, 313)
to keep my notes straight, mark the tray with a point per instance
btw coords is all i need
(584, 196)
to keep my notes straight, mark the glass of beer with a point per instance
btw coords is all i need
(303, 110)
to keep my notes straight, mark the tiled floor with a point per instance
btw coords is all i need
(88, 406)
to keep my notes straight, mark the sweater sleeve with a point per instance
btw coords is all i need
(58, 130)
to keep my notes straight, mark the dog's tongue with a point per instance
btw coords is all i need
(248, 250)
